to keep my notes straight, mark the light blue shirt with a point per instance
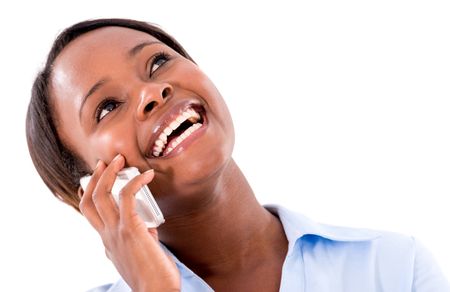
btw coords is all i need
(324, 258)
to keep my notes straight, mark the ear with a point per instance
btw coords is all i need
(80, 192)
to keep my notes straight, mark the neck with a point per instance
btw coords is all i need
(227, 234)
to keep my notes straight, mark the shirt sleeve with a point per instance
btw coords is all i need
(428, 277)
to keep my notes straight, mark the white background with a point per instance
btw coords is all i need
(341, 110)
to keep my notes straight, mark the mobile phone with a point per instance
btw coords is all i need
(146, 206)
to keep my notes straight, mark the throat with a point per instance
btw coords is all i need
(212, 248)
(223, 228)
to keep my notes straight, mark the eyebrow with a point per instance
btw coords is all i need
(91, 91)
(136, 49)
(131, 53)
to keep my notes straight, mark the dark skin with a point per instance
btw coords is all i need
(214, 224)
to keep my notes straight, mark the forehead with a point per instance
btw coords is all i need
(92, 48)
(91, 56)
(103, 41)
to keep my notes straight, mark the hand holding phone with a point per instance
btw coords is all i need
(133, 248)
(146, 206)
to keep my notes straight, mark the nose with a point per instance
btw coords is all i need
(152, 96)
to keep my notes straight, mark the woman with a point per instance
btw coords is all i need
(117, 93)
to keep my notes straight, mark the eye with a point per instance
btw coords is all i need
(105, 108)
(158, 60)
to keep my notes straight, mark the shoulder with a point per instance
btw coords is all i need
(398, 262)
(405, 256)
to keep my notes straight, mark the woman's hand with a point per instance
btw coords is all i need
(133, 248)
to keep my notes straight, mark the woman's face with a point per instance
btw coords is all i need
(117, 90)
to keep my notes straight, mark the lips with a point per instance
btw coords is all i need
(176, 127)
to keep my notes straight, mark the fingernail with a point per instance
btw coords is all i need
(118, 156)
(98, 164)
(149, 172)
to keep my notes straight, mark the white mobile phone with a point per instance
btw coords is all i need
(146, 206)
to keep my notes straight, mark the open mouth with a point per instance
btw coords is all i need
(180, 128)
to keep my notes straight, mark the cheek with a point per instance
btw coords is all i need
(195, 79)
(108, 144)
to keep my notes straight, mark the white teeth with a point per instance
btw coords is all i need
(194, 114)
(181, 119)
(178, 140)
(160, 143)
(163, 137)
(174, 125)
(168, 131)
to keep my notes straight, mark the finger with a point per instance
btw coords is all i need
(87, 206)
(127, 200)
(102, 196)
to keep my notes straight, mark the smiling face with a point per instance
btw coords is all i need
(117, 90)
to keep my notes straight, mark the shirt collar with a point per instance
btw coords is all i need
(297, 225)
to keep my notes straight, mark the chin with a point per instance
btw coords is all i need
(190, 181)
